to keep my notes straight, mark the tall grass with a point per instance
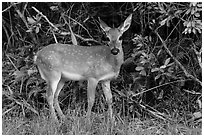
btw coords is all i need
(76, 125)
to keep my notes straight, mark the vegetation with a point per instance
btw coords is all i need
(159, 89)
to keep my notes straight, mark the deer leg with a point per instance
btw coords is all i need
(56, 102)
(92, 83)
(108, 95)
(52, 81)
(50, 99)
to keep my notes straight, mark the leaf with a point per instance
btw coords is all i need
(54, 8)
(185, 23)
(143, 73)
(30, 72)
(197, 115)
(162, 70)
(161, 94)
(194, 31)
(64, 33)
(157, 77)
(170, 64)
(150, 38)
(74, 40)
(189, 24)
(188, 11)
(182, 83)
(139, 45)
(178, 12)
(31, 20)
(139, 68)
(155, 69)
(185, 31)
(167, 61)
(32, 92)
(163, 66)
(189, 30)
(199, 30)
(19, 74)
(198, 22)
(168, 74)
(199, 5)
(159, 52)
(170, 70)
(197, 14)
(193, 11)
(194, 4)
(29, 30)
(199, 103)
(36, 29)
(144, 54)
(163, 22)
(193, 24)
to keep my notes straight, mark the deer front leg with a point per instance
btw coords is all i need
(56, 101)
(92, 83)
(108, 95)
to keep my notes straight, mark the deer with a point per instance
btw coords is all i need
(58, 63)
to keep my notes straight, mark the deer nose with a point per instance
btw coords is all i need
(115, 51)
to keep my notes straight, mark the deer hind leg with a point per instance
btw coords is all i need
(52, 81)
(108, 95)
(56, 102)
(92, 83)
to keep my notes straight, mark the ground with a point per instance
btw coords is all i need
(76, 125)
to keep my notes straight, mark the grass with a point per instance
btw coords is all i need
(76, 125)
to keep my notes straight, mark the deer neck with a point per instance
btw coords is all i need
(118, 60)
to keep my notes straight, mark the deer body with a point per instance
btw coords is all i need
(84, 62)
(60, 62)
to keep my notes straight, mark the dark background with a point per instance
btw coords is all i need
(162, 50)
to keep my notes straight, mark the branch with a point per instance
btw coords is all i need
(21, 16)
(158, 87)
(45, 18)
(85, 39)
(48, 22)
(178, 63)
(12, 4)
(25, 22)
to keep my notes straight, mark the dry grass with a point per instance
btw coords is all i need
(76, 125)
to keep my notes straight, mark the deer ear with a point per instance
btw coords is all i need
(124, 26)
(103, 25)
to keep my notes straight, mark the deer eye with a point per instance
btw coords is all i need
(105, 38)
(120, 38)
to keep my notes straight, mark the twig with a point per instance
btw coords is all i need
(26, 23)
(192, 92)
(12, 4)
(87, 39)
(179, 64)
(11, 62)
(21, 16)
(80, 25)
(48, 22)
(155, 112)
(159, 86)
(198, 55)
(45, 18)
(54, 37)
(74, 40)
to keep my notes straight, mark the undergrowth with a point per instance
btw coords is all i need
(75, 125)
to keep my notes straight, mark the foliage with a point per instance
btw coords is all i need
(161, 75)
(76, 126)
